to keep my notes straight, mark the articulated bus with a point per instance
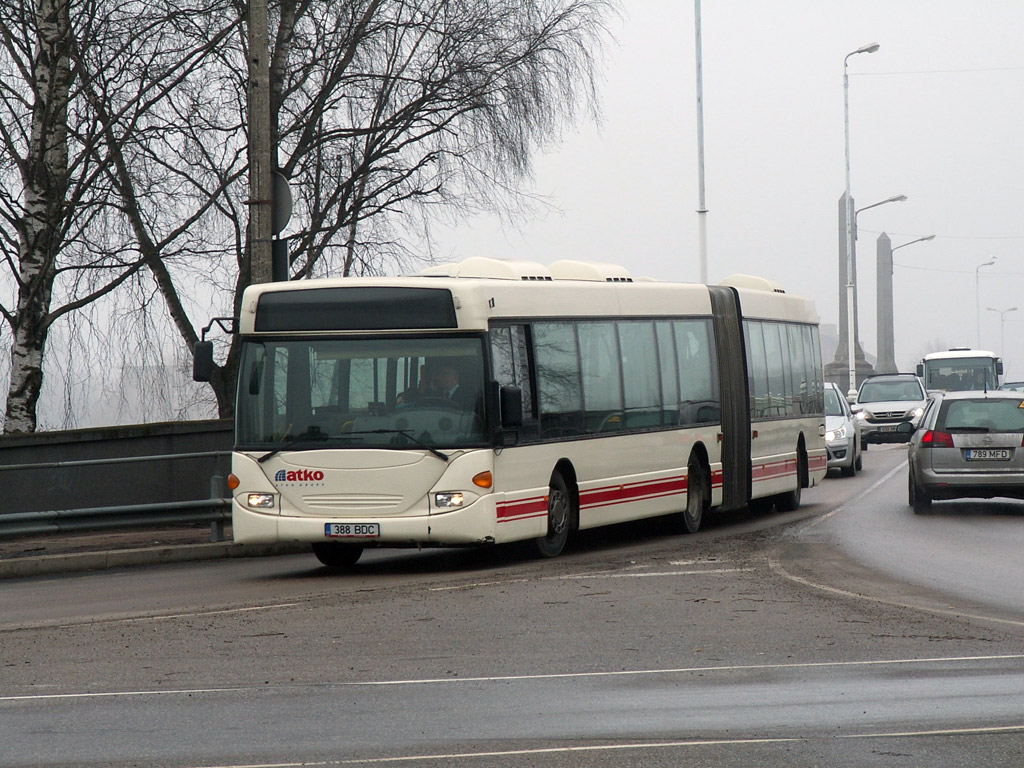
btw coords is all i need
(489, 401)
(960, 368)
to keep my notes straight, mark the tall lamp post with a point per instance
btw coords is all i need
(977, 298)
(850, 326)
(702, 210)
(1002, 321)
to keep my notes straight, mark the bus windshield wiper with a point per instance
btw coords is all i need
(404, 433)
(305, 437)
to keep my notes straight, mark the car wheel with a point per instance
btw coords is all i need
(337, 555)
(919, 499)
(849, 471)
(859, 461)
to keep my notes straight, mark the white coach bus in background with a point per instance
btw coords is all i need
(960, 369)
(490, 401)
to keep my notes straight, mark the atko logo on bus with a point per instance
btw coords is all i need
(299, 476)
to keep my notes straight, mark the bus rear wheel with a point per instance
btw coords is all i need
(698, 494)
(790, 501)
(336, 555)
(559, 519)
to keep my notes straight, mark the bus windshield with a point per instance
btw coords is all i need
(961, 373)
(394, 393)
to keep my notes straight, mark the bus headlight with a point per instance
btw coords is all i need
(261, 500)
(449, 499)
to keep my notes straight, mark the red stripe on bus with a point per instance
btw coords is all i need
(522, 509)
(617, 494)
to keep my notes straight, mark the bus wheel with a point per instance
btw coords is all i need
(698, 495)
(559, 519)
(335, 555)
(790, 501)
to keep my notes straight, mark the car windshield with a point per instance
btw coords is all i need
(832, 405)
(397, 393)
(885, 391)
(993, 415)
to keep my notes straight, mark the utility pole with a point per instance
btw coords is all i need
(260, 167)
(702, 209)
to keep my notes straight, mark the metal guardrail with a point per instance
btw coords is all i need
(215, 510)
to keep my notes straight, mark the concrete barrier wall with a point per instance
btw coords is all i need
(30, 483)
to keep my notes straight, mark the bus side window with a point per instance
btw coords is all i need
(558, 379)
(698, 393)
(510, 360)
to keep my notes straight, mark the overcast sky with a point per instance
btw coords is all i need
(935, 114)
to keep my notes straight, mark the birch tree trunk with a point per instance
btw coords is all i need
(45, 175)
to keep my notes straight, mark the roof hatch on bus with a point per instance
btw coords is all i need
(480, 266)
(753, 282)
(590, 270)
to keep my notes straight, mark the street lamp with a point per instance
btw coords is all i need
(850, 326)
(1002, 321)
(893, 199)
(919, 240)
(977, 297)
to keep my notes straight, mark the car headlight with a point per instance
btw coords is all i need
(862, 415)
(916, 413)
(835, 434)
(261, 500)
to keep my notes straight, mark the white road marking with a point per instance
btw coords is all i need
(547, 676)
(574, 576)
(620, 747)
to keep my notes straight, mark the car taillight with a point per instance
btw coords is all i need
(935, 439)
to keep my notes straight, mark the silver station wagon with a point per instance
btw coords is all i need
(967, 445)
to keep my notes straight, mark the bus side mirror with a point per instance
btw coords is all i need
(202, 361)
(920, 371)
(511, 407)
(999, 366)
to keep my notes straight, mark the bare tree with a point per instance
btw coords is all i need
(77, 79)
(386, 116)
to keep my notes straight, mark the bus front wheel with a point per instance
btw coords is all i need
(336, 555)
(559, 519)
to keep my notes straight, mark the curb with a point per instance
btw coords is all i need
(19, 567)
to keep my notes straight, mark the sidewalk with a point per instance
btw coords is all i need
(97, 550)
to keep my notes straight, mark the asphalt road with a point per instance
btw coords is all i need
(779, 640)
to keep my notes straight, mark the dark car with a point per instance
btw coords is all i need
(968, 444)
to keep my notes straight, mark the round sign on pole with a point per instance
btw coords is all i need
(281, 211)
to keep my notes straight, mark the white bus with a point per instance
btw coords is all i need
(489, 401)
(960, 368)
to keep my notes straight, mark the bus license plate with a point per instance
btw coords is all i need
(352, 530)
(988, 454)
